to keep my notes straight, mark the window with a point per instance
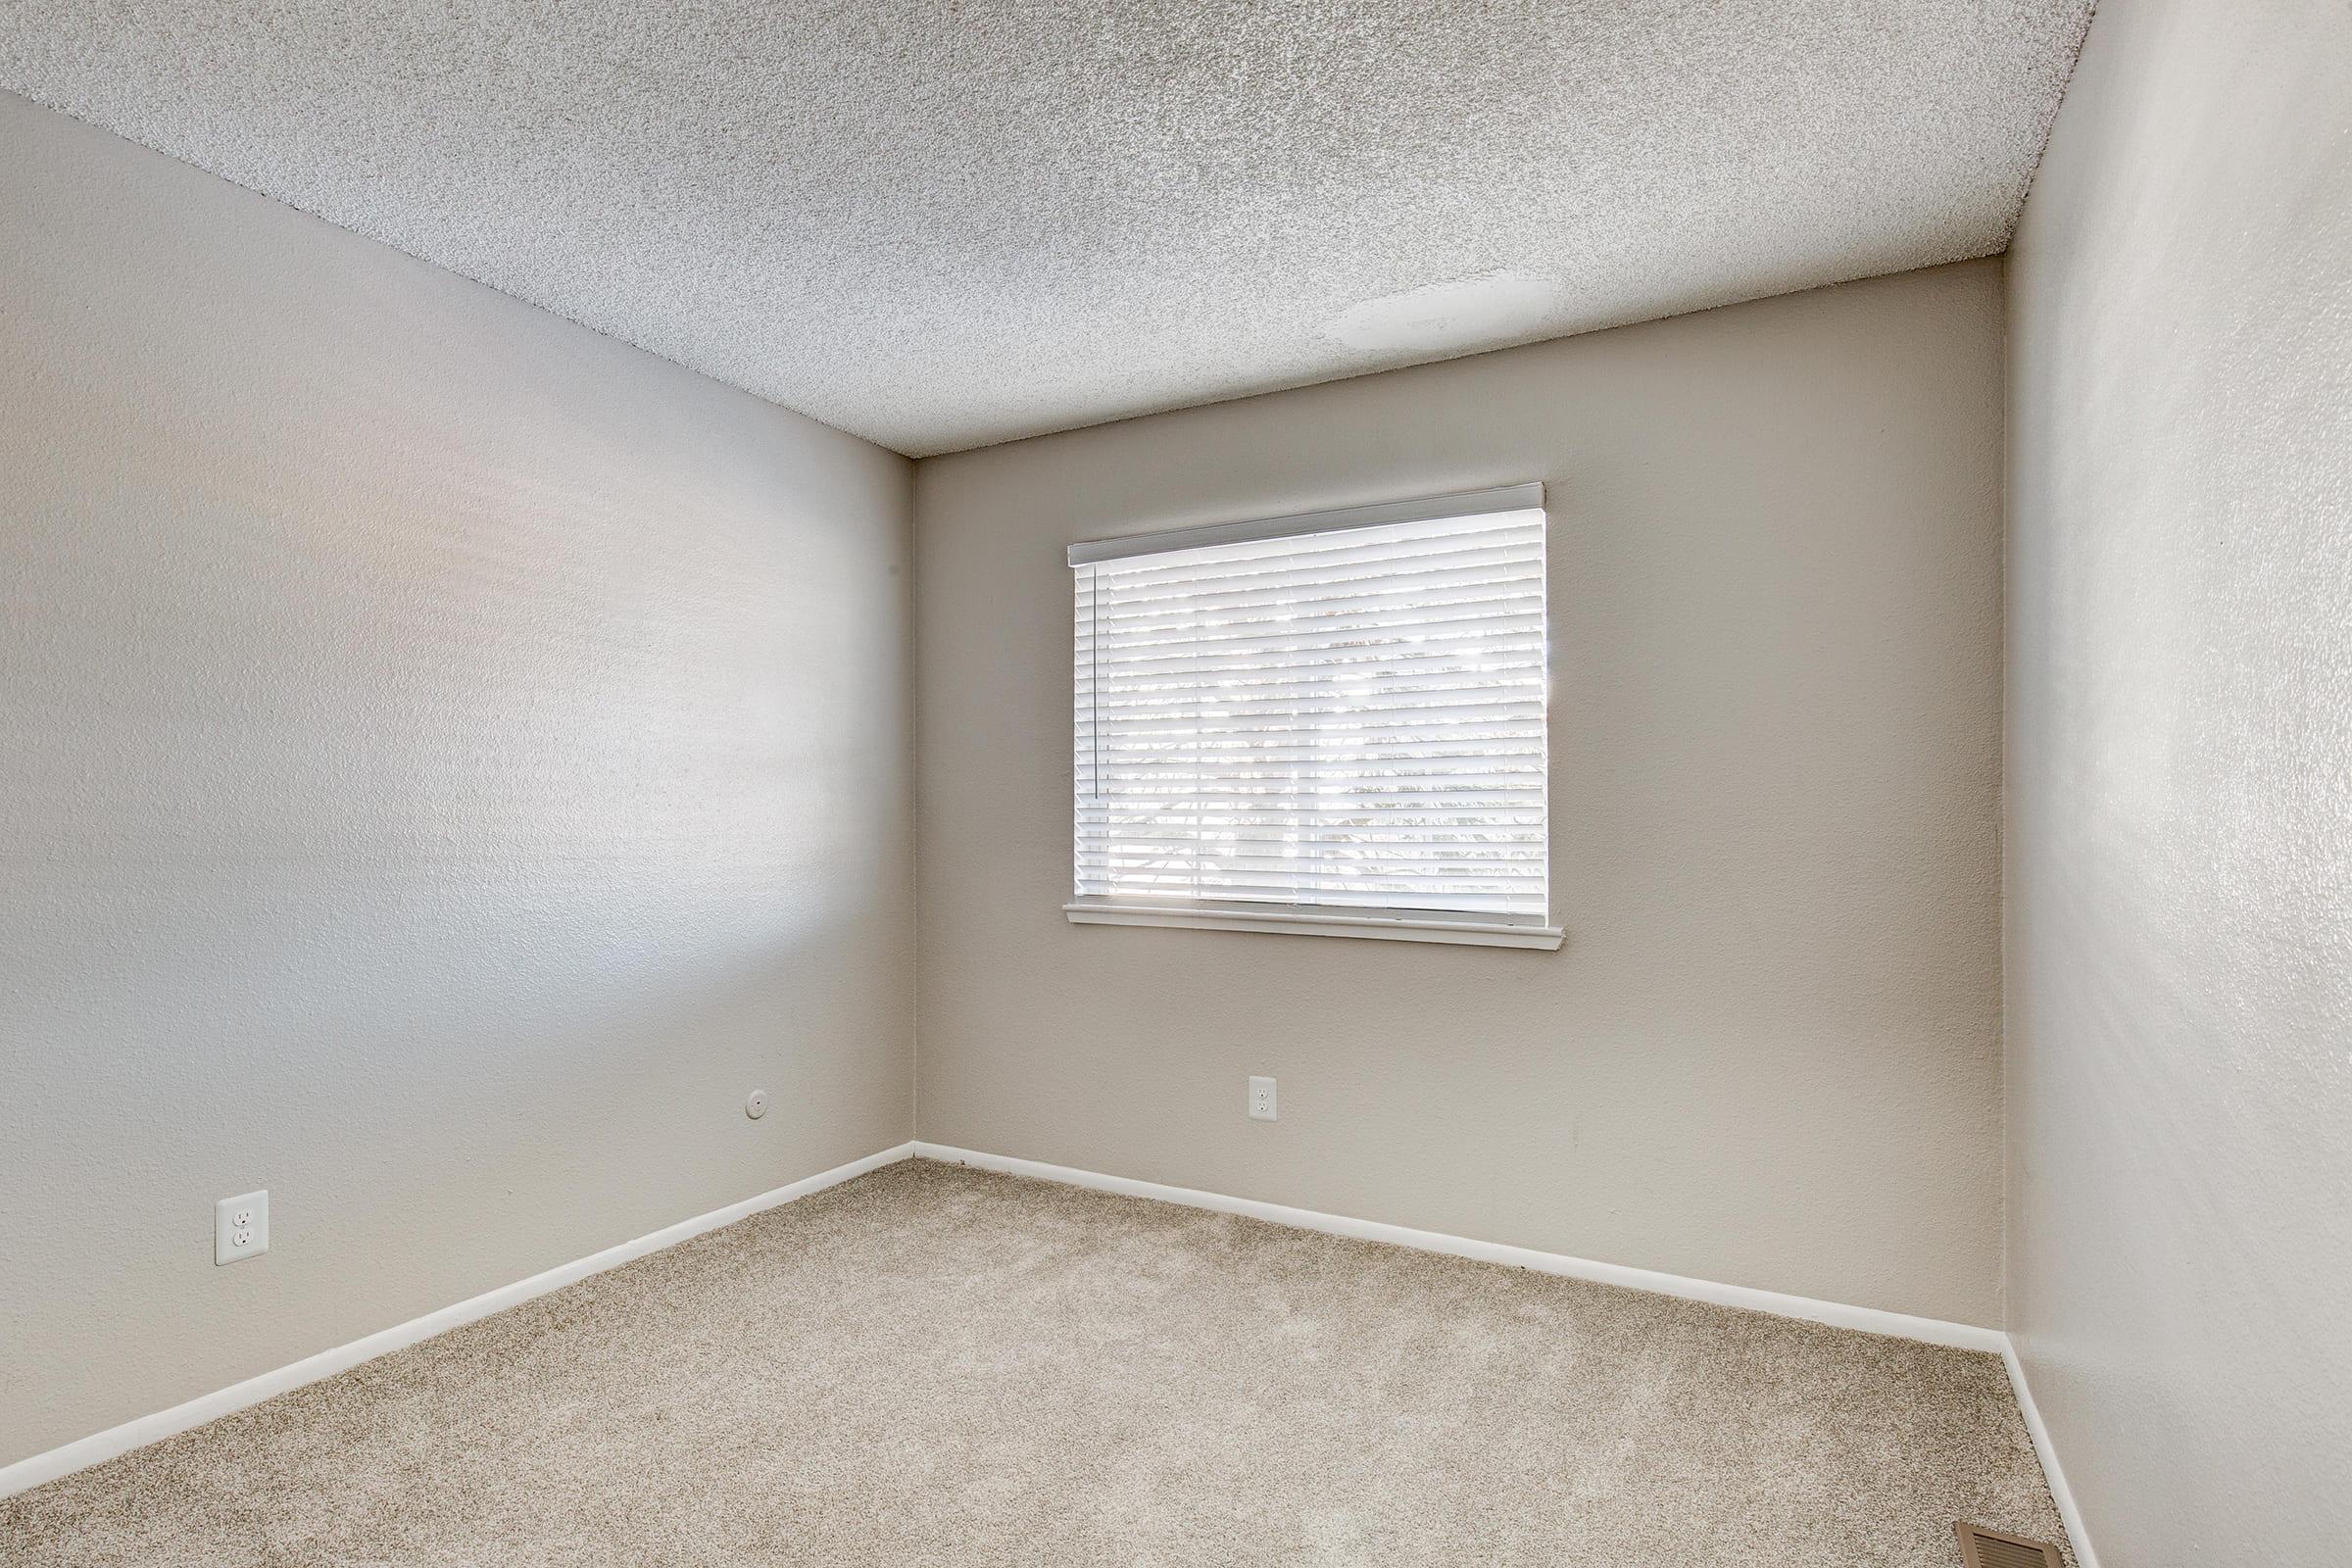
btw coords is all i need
(1332, 723)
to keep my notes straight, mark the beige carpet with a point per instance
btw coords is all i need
(935, 1365)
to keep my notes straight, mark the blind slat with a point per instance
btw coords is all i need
(1274, 554)
(1286, 718)
(1474, 625)
(1207, 662)
(1377, 585)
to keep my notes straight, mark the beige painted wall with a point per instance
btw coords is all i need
(2180, 800)
(1769, 1052)
(448, 757)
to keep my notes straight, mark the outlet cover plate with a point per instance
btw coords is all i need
(1261, 1100)
(241, 1227)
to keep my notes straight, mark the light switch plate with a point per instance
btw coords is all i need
(241, 1227)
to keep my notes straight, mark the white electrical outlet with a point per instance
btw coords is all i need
(1261, 1100)
(241, 1227)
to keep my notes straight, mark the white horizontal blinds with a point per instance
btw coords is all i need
(1349, 717)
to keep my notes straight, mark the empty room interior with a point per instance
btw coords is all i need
(1187, 782)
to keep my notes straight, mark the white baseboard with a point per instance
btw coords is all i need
(1868, 1319)
(2060, 1493)
(27, 1474)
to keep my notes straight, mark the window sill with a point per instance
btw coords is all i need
(1297, 921)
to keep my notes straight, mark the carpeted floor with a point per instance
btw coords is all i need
(936, 1366)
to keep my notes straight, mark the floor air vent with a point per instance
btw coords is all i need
(1981, 1548)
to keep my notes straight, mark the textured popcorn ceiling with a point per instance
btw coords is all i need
(940, 224)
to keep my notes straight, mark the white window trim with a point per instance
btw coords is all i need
(1320, 919)
(1381, 515)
